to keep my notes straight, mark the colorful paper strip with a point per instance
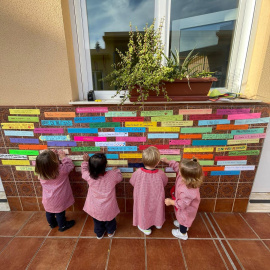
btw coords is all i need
(205, 116)
(104, 125)
(122, 148)
(177, 124)
(24, 111)
(244, 116)
(23, 152)
(209, 169)
(264, 120)
(117, 162)
(179, 142)
(140, 124)
(32, 147)
(217, 158)
(206, 162)
(167, 118)
(233, 111)
(54, 138)
(230, 142)
(22, 140)
(131, 155)
(89, 139)
(59, 114)
(169, 151)
(113, 134)
(130, 129)
(190, 136)
(85, 149)
(232, 162)
(198, 156)
(164, 129)
(231, 148)
(66, 123)
(120, 113)
(17, 125)
(92, 110)
(250, 136)
(196, 130)
(240, 168)
(200, 149)
(195, 111)
(156, 113)
(209, 142)
(15, 162)
(127, 119)
(105, 144)
(217, 136)
(19, 133)
(127, 175)
(163, 136)
(8, 156)
(64, 143)
(231, 127)
(23, 119)
(91, 119)
(171, 157)
(247, 153)
(225, 173)
(131, 139)
(49, 130)
(213, 122)
(25, 168)
(82, 130)
(142, 147)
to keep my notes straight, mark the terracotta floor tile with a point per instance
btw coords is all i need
(90, 254)
(88, 229)
(37, 225)
(2, 214)
(127, 254)
(267, 243)
(4, 241)
(164, 253)
(260, 223)
(223, 254)
(79, 218)
(54, 254)
(12, 222)
(16, 255)
(233, 226)
(198, 229)
(252, 254)
(202, 254)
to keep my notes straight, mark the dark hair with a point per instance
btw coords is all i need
(47, 165)
(97, 165)
(191, 172)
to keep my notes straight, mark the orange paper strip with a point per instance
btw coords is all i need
(190, 136)
(198, 156)
(34, 147)
(231, 127)
(207, 169)
(59, 114)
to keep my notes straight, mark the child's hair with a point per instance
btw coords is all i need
(97, 165)
(192, 173)
(47, 165)
(150, 156)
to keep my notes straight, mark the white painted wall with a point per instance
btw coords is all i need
(1, 185)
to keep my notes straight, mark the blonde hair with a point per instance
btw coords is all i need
(47, 165)
(150, 156)
(191, 172)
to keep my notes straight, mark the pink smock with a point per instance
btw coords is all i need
(187, 200)
(149, 196)
(57, 193)
(101, 202)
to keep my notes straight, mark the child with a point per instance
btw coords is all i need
(148, 193)
(187, 194)
(56, 191)
(101, 203)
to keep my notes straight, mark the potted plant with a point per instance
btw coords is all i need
(145, 78)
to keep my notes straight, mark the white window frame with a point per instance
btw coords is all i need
(243, 42)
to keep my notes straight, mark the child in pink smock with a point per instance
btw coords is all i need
(148, 193)
(187, 194)
(56, 191)
(101, 203)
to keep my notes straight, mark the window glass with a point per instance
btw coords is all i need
(208, 26)
(108, 24)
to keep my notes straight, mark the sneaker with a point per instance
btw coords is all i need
(54, 225)
(111, 234)
(100, 237)
(68, 225)
(178, 234)
(176, 224)
(158, 227)
(146, 232)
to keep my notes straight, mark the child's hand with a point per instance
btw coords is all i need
(114, 168)
(85, 157)
(169, 202)
(165, 160)
(61, 154)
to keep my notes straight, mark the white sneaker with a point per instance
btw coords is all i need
(111, 235)
(146, 232)
(176, 224)
(158, 227)
(178, 234)
(100, 236)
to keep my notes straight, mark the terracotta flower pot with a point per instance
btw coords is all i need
(179, 90)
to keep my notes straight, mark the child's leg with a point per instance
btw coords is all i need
(99, 227)
(51, 219)
(183, 229)
(110, 226)
(61, 219)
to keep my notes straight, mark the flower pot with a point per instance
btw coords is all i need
(181, 90)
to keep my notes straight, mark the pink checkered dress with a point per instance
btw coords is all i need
(149, 196)
(56, 193)
(187, 200)
(101, 202)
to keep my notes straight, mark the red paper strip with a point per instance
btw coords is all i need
(208, 169)
(142, 147)
(205, 116)
(231, 127)
(32, 147)
(198, 156)
(218, 158)
(190, 136)
(128, 119)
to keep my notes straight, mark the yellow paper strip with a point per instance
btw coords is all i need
(164, 129)
(25, 168)
(24, 111)
(177, 124)
(200, 149)
(230, 142)
(15, 162)
(170, 174)
(130, 155)
(32, 157)
(140, 124)
(117, 162)
(231, 148)
(126, 175)
(17, 126)
(167, 118)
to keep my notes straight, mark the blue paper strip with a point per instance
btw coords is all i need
(19, 133)
(122, 148)
(121, 169)
(129, 129)
(65, 143)
(82, 130)
(108, 156)
(22, 140)
(92, 119)
(247, 131)
(209, 142)
(163, 135)
(67, 123)
(54, 138)
(135, 165)
(225, 173)
(253, 121)
(213, 122)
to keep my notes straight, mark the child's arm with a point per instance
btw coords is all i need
(118, 175)
(173, 164)
(164, 179)
(179, 203)
(67, 164)
(133, 179)
(84, 167)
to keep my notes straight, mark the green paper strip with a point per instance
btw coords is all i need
(23, 119)
(196, 130)
(206, 162)
(171, 157)
(157, 113)
(25, 168)
(105, 125)
(167, 118)
(217, 136)
(77, 162)
(85, 149)
(244, 153)
(24, 152)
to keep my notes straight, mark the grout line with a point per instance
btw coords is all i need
(222, 256)
(24, 224)
(212, 225)
(183, 255)
(205, 225)
(145, 252)
(109, 252)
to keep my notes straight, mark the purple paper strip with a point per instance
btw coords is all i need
(233, 111)
(49, 130)
(22, 140)
(59, 143)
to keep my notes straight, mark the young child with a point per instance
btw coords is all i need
(101, 203)
(148, 193)
(56, 190)
(187, 194)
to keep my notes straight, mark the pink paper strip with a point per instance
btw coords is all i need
(179, 142)
(131, 139)
(49, 130)
(244, 116)
(92, 110)
(250, 136)
(169, 151)
(89, 139)
(195, 111)
(233, 111)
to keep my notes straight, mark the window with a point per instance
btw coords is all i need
(218, 30)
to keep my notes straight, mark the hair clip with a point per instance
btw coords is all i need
(194, 159)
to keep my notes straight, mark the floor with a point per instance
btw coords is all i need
(216, 241)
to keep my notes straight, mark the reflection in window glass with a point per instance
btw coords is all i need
(207, 26)
(108, 24)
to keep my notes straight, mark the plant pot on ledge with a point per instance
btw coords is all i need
(180, 90)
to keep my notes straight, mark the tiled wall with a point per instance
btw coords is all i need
(224, 193)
